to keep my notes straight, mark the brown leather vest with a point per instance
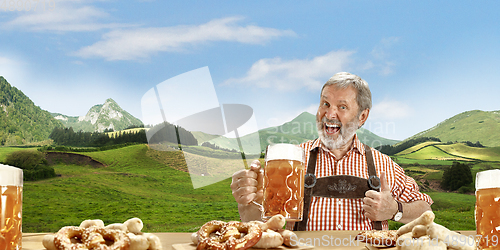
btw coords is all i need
(337, 186)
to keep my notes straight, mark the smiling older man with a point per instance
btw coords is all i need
(338, 158)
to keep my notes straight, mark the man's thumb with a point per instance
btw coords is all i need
(384, 185)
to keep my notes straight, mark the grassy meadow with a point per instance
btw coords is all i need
(132, 185)
(155, 186)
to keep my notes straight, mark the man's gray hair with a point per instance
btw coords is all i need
(343, 80)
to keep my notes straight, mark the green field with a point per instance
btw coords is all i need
(449, 152)
(133, 185)
(484, 154)
(417, 147)
(154, 186)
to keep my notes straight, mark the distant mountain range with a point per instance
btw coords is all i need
(302, 128)
(100, 117)
(22, 122)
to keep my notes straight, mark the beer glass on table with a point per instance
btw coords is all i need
(284, 182)
(488, 209)
(11, 196)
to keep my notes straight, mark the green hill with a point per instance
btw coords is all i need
(21, 121)
(137, 182)
(483, 154)
(431, 153)
(302, 128)
(417, 147)
(455, 151)
(473, 126)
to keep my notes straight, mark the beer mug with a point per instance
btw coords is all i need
(488, 209)
(11, 196)
(284, 182)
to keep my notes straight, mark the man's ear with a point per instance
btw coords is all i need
(363, 116)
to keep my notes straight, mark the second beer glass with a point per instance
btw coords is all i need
(284, 182)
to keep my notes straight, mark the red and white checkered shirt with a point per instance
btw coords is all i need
(348, 214)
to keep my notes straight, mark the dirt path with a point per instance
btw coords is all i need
(72, 158)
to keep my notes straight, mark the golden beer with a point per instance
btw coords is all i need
(284, 183)
(11, 196)
(10, 224)
(488, 209)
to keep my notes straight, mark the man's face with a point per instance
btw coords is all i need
(337, 118)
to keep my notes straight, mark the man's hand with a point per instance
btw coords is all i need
(380, 206)
(247, 185)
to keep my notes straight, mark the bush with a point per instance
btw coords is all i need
(466, 189)
(26, 159)
(456, 176)
(33, 164)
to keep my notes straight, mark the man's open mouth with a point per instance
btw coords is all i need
(332, 128)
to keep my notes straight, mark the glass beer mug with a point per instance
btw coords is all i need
(11, 188)
(488, 209)
(284, 182)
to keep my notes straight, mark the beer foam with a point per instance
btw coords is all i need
(488, 179)
(10, 176)
(284, 151)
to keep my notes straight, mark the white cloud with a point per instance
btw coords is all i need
(65, 16)
(294, 74)
(389, 110)
(139, 43)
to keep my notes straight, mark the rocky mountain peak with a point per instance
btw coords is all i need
(100, 117)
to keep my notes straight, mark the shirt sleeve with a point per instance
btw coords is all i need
(406, 188)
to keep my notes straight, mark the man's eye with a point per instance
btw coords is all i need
(343, 107)
(325, 104)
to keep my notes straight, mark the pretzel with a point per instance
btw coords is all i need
(98, 237)
(234, 235)
(63, 238)
(252, 236)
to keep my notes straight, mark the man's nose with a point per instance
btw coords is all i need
(331, 113)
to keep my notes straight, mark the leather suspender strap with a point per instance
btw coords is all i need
(373, 180)
(311, 180)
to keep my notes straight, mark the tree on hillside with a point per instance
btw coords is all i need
(456, 176)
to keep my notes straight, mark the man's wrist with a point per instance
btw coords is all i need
(249, 212)
(399, 212)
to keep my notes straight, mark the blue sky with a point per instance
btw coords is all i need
(425, 61)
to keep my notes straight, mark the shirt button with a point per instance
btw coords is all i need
(339, 227)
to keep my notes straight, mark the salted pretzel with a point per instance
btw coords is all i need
(94, 238)
(378, 238)
(234, 235)
(99, 238)
(70, 238)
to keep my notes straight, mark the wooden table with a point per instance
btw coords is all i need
(181, 241)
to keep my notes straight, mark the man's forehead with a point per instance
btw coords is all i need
(333, 92)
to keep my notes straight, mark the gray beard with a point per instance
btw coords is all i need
(346, 134)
